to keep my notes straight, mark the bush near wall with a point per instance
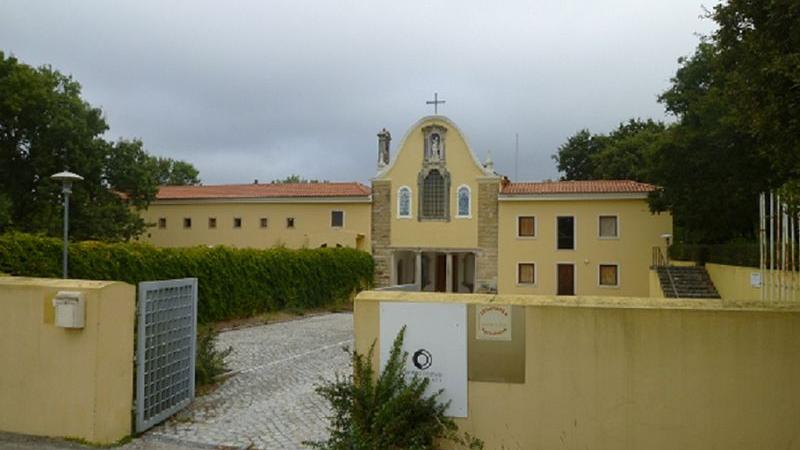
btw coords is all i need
(733, 253)
(233, 282)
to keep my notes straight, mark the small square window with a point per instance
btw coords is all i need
(609, 275)
(608, 227)
(212, 222)
(290, 222)
(526, 273)
(237, 222)
(162, 222)
(337, 219)
(264, 222)
(187, 222)
(526, 226)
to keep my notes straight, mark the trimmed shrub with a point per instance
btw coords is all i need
(233, 283)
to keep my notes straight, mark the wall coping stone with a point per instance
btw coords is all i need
(581, 301)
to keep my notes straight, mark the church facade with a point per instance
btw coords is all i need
(438, 219)
(444, 221)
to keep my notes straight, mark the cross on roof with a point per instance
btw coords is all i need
(435, 102)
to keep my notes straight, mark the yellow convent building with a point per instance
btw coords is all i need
(439, 220)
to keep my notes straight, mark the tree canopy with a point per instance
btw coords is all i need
(736, 101)
(47, 127)
(294, 178)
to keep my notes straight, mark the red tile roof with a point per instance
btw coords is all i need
(263, 191)
(578, 187)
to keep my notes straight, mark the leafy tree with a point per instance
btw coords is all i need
(389, 411)
(46, 127)
(710, 168)
(297, 179)
(176, 173)
(756, 66)
(628, 151)
(574, 157)
(737, 104)
(625, 153)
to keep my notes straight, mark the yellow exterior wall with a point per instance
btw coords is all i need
(655, 286)
(634, 373)
(66, 383)
(312, 224)
(733, 282)
(639, 231)
(463, 169)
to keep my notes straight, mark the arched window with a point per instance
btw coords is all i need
(404, 202)
(463, 200)
(434, 198)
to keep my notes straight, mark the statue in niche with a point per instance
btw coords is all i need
(436, 147)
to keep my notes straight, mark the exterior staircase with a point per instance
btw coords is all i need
(686, 282)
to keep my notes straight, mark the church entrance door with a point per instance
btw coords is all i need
(440, 284)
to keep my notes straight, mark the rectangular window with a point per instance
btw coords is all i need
(609, 275)
(212, 222)
(566, 233)
(187, 222)
(237, 222)
(264, 222)
(337, 219)
(526, 273)
(290, 222)
(162, 222)
(526, 226)
(608, 227)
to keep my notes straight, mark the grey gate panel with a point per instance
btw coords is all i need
(165, 349)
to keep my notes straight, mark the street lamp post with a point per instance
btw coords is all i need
(66, 178)
(666, 237)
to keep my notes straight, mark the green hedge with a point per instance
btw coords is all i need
(733, 253)
(233, 282)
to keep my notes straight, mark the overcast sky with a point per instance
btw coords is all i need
(262, 89)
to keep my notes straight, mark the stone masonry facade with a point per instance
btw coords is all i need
(486, 260)
(381, 229)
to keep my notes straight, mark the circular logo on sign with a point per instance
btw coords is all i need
(422, 359)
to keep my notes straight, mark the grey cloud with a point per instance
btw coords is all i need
(255, 89)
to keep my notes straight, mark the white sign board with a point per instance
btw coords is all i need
(755, 279)
(493, 322)
(436, 342)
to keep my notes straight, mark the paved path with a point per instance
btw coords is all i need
(270, 403)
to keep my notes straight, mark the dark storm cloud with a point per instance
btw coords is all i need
(248, 90)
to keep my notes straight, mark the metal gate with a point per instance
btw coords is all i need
(165, 349)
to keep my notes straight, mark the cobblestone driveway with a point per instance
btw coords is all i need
(270, 403)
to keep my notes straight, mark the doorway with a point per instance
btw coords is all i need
(440, 284)
(566, 279)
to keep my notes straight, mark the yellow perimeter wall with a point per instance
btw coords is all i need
(312, 224)
(66, 383)
(733, 282)
(639, 231)
(614, 373)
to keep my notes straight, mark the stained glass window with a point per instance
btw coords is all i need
(463, 201)
(404, 202)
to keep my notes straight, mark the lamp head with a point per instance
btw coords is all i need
(66, 178)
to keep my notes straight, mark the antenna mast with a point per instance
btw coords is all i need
(516, 156)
